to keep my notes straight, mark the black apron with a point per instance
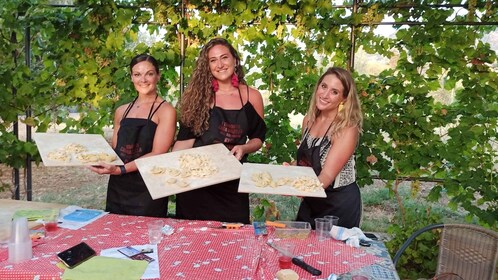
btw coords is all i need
(343, 202)
(220, 202)
(127, 193)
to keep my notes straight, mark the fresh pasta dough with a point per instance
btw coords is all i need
(75, 148)
(95, 157)
(302, 183)
(196, 165)
(59, 156)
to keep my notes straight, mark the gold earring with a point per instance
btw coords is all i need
(341, 106)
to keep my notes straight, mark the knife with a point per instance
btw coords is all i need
(297, 261)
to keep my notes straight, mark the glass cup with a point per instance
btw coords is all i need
(333, 219)
(155, 231)
(322, 228)
(50, 222)
(286, 254)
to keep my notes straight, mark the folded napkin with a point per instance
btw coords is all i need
(351, 236)
(104, 268)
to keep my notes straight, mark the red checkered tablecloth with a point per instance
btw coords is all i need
(196, 250)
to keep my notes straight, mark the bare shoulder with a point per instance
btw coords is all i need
(166, 109)
(120, 110)
(348, 134)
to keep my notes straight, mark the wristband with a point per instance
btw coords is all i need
(123, 169)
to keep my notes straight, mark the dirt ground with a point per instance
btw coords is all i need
(48, 181)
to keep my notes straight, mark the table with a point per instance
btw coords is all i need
(198, 250)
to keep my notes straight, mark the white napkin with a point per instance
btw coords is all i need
(351, 236)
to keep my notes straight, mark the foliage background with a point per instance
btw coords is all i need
(78, 60)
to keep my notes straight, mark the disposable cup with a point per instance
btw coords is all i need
(286, 254)
(20, 247)
(155, 231)
(5, 227)
(322, 228)
(333, 219)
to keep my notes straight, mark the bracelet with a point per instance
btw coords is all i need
(123, 169)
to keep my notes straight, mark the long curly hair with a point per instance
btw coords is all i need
(196, 101)
(351, 114)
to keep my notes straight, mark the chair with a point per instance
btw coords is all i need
(465, 251)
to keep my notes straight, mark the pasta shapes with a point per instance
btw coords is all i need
(73, 149)
(302, 183)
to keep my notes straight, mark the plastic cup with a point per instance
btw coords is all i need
(322, 228)
(155, 231)
(286, 254)
(50, 222)
(333, 219)
(20, 242)
(5, 227)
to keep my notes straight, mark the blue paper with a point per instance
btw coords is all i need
(82, 215)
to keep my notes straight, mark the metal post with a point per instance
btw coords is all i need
(352, 39)
(182, 52)
(28, 174)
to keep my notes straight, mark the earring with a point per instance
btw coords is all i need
(235, 80)
(341, 107)
(215, 85)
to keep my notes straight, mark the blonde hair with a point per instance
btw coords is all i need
(350, 115)
(199, 95)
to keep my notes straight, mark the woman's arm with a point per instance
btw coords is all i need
(253, 144)
(163, 139)
(343, 147)
(183, 144)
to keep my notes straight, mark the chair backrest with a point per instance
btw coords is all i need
(470, 251)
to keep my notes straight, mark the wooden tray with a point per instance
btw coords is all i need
(159, 185)
(247, 185)
(51, 142)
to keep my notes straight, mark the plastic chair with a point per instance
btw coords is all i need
(465, 251)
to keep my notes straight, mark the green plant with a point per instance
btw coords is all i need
(79, 57)
(264, 209)
(420, 259)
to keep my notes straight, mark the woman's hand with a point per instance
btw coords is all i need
(238, 152)
(105, 168)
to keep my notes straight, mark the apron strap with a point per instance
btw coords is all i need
(129, 108)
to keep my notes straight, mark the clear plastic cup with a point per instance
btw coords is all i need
(20, 247)
(286, 254)
(322, 228)
(333, 219)
(155, 231)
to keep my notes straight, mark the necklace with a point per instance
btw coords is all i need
(145, 102)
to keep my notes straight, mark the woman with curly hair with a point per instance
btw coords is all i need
(219, 107)
(331, 131)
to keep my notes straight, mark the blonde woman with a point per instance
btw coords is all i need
(331, 129)
(219, 107)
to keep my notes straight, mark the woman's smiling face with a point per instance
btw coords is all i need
(145, 77)
(221, 62)
(329, 94)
